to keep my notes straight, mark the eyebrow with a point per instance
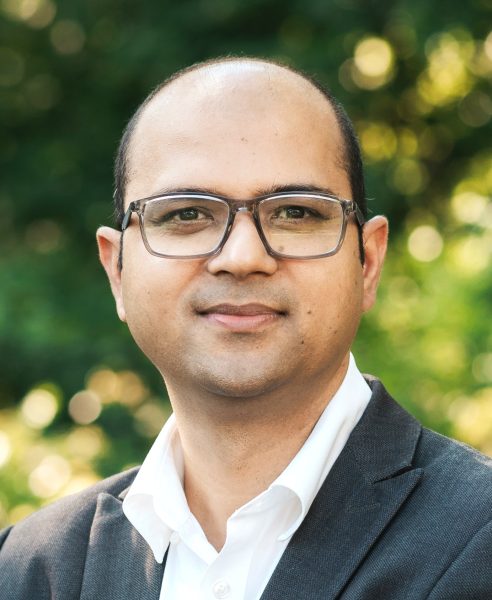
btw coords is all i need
(274, 189)
(296, 187)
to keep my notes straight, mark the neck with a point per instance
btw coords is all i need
(234, 448)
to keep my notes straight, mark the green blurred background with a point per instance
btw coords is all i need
(77, 399)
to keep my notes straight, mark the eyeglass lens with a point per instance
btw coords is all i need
(293, 225)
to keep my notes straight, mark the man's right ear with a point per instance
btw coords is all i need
(108, 241)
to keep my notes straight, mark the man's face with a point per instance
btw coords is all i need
(240, 323)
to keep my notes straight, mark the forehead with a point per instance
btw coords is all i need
(236, 127)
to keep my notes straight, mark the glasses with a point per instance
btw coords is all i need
(291, 225)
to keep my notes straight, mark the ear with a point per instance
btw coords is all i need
(375, 238)
(108, 241)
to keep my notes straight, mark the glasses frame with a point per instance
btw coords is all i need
(349, 207)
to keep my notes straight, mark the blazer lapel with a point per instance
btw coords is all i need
(364, 490)
(119, 562)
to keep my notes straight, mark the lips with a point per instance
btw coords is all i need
(241, 317)
(244, 310)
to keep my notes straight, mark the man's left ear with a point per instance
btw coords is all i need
(108, 241)
(375, 239)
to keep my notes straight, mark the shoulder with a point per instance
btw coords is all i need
(73, 511)
(442, 533)
(432, 451)
(454, 476)
(462, 472)
(57, 534)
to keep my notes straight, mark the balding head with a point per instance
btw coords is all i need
(222, 93)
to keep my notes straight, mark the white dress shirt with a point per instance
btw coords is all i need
(259, 531)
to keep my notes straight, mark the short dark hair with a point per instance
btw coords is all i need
(352, 159)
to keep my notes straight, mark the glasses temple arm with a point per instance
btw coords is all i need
(358, 213)
(128, 216)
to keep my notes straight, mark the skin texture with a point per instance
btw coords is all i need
(251, 348)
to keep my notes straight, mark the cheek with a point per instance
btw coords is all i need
(146, 309)
(333, 304)
(152, 289)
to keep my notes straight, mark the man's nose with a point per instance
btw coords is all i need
(243, 253)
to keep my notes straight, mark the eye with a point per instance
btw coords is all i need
(163, 216)
(294, 212)
(186, 214)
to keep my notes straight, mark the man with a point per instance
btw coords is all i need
(242, 266)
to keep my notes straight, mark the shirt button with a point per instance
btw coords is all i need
(174, 539)
(221, 589)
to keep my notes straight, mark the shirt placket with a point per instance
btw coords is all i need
(226, 577)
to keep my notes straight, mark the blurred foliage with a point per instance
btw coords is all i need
(77, 399)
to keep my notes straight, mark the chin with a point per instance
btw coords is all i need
(240, 386)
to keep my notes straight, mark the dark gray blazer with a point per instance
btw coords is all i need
(404, 514)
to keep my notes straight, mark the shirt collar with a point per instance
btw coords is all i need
(156, 505)
(307, 471)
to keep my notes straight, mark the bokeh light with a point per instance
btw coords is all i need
(85, 442)
(150, 418)
(408, 142)
(67, 37)
(50, 476)
(373, 63)
(84, 407)
(39, 407)
(469, 207)
(471, 254)
(35, 13)
(447, 77)
(475, 109)
(125, 387)
(445, 353)
(378, 141)
(409, 176)
(425, 243)
(472, 418)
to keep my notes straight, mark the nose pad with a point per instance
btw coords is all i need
(244, 251)
(244, 224)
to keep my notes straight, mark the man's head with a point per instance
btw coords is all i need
(242, 323)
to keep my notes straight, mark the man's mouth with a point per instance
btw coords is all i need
(241, 317)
